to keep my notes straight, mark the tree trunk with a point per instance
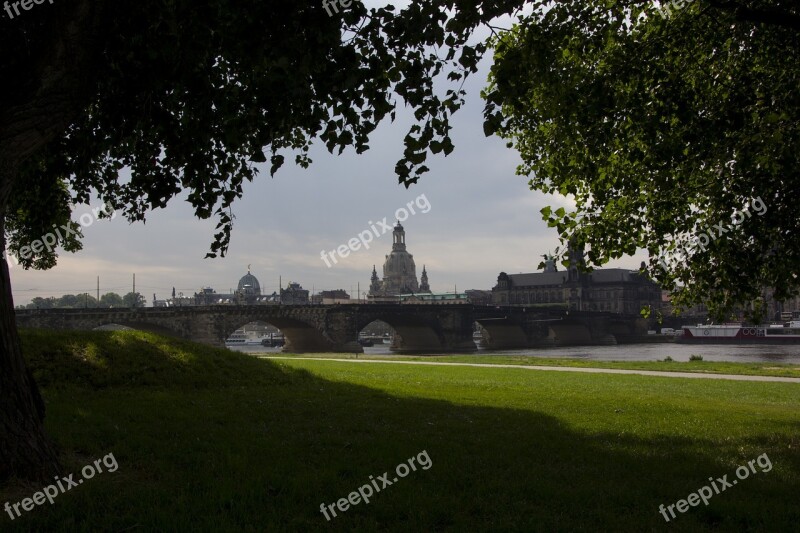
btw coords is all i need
(25, 450)
(55, 84)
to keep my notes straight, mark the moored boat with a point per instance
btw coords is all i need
(786, 333)
(241, 339)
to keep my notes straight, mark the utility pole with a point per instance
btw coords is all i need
(280, 290)
(359, 292)
(98, 289)
(134, 289)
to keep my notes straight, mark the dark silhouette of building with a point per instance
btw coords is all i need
(294, 294)
(607, 289)
(399, 271)
(324, 297)
(248, 292)
(479, 297)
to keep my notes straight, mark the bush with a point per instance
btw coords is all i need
(696, 358)
(668, 359)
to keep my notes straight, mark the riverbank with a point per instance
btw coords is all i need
(648, 352)
(211, 440)
(697, 366)
(563, 368)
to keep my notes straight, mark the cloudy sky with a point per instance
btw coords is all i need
(483, 220)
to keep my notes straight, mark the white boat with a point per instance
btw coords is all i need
(237, 340)
(242, 337)
(786, 333)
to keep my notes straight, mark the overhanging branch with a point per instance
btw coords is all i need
(771, 16)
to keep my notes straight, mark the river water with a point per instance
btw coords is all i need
(626, 352)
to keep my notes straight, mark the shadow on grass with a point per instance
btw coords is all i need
(209, 440)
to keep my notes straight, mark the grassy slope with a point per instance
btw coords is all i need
(209, 440)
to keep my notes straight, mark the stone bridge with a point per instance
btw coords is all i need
(335, 328)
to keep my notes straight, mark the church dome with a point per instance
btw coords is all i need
(249, 284)
(400, 262)
(400, 273)
(399, 270)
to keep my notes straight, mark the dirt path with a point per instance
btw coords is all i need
(691, 375)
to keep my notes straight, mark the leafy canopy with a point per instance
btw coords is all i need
(663, 131)
(657, 127)
(191, 95)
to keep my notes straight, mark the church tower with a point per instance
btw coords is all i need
(399, 270)
(575, 255)
(423, 281)
(375, 283)
(576, 286)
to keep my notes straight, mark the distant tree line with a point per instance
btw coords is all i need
(85, 300)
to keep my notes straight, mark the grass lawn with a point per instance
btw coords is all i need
(211, 440)
(709, 367)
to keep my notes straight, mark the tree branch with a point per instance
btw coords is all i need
(774, 17)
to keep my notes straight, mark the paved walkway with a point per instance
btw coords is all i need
(692, 375)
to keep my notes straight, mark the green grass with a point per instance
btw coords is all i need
(710, 367)
(210, 440)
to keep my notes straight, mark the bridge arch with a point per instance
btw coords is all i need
(503, 333)
(299, 335)
(377, 334)
(257, 334)
(158, 329)
(111, 327)
(412, 333)
(571, 332)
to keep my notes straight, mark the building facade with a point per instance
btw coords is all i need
(330, 297)
(294, 294)
(248, 292)
(479, 297)
(613, 290)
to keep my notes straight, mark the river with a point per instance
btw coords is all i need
(627, 352)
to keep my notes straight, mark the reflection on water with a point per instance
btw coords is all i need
(625, 352)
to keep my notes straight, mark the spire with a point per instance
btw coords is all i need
(375, 284)
(575, 255)
(423, 284)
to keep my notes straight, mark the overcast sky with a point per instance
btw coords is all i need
(483, 220)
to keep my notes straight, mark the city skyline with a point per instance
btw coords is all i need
(282, 223)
